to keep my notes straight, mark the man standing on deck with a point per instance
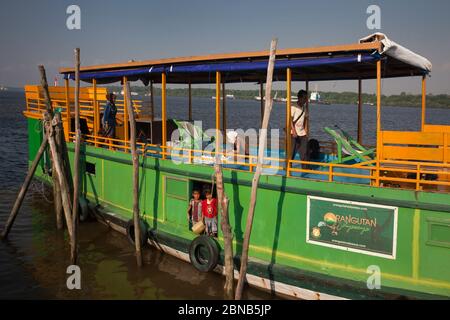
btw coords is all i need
(300, 127)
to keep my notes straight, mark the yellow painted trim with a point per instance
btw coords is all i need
(415, 244)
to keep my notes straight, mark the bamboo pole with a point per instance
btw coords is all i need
(136, 222)
(76, 166)
(190, 101)
(24, 188)
(255, 181)
(360, 111)
(44, 84)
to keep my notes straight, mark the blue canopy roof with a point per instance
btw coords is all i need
(241, 68)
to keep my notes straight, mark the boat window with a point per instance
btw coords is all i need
(90, 168)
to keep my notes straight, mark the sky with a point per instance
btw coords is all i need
(35, 32)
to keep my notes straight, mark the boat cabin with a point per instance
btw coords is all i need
(409, 160)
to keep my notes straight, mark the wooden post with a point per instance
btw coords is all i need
(261, 88)
(379, 135)
(152, 102)
(190, 101)
(218, 135)
(226, 230)
(96, 111)
(44, 84)
(66, 202)
(360, 111)
(164, 113)
(68, 113)
(288, 118)
(125, 112)
(255, 181)
(137, 229)
(424, 101)
(24, 188)
(57, 201)
(76, 166)
(224, 110)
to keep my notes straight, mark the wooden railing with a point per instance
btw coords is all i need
(413, 175)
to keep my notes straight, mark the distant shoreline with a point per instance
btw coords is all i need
(440, 101)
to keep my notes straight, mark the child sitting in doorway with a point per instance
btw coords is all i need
(209, 212)
(195, 209)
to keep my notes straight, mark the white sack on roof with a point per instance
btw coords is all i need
(399, 52)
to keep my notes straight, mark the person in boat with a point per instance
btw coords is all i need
(209, 212)
(109, 116)
(237, 141)
(195, 208)
(300, 127)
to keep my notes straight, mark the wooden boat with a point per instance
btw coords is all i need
(322, 232)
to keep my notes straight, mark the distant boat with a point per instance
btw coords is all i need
(228, 96)
(132, 93)
(315, 98)
(258, 98)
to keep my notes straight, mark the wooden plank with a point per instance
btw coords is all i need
(413, 153)
(436, 128)
(413, 138)
(291, 52)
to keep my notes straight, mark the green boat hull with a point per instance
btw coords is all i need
(405, 235)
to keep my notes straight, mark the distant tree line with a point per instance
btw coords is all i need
(401, 100)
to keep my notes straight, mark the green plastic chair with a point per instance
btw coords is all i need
(191, 136)
(348, 148)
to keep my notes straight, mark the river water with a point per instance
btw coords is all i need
(34, 259)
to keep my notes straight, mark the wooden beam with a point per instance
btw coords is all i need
(96, 110)
(424, 101)
(125, 111)
(152, 102)
(190, 101)
(67, 127)
(164, 113)
(224, 110)
(261, 88)
(360, 111)
(356, 47)
(218, 81)
(379, 133)
(288, 118)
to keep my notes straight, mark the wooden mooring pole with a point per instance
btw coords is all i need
(255, 181)
(76, 162)
(24, 189)
(136, 220)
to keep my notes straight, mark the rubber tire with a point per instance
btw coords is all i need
(83, 204)
(212, 250)
(130, 232)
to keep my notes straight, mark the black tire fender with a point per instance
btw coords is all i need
(130, 231)
(204, 253)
